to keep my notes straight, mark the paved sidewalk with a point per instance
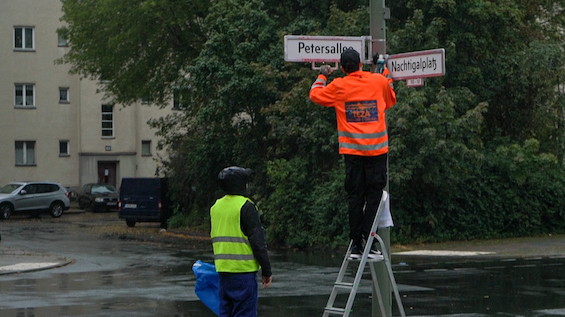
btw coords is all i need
(542, 246)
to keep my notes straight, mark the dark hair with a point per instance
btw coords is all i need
(350, 60)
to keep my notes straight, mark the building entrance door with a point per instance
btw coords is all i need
(107, 172)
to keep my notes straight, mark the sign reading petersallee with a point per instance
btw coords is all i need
(301, 48)
(417, 64)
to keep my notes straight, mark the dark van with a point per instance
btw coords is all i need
(144, 200)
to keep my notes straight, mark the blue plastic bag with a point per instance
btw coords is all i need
(207, 285)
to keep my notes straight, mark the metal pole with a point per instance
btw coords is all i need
(378, 34)
(378, 26)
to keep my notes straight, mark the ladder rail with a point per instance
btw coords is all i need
(377, 290)
(340, 276)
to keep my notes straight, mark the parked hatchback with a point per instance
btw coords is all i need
(98, 197)
(33, 196)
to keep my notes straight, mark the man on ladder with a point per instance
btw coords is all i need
(360, 100)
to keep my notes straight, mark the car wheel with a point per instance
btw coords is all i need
(130, 223)
(5, 211)
(56, 209)
(80, 205)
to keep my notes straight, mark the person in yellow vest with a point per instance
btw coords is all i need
(360, 100)
(239, 244)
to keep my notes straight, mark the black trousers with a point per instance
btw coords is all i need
(365, 179)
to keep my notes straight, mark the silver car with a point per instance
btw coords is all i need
(32, 196)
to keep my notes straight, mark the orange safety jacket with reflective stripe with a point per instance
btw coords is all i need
(360, 100)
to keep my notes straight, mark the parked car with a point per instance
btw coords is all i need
(33, 196)
(98, 197)
(144, 200)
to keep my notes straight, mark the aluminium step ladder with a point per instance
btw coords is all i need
(341, 286)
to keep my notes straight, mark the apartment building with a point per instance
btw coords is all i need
(55, 126)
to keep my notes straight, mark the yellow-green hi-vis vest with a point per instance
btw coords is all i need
(232, 252)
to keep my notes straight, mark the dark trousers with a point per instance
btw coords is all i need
(238, 295)
(365, 179)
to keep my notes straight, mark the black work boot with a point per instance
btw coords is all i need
(356, 249)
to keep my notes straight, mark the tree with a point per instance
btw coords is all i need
(473, 153)
(508, 53)
(449, 171)
(140, 49)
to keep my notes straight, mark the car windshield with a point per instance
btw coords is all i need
(103, 189)
(10, 188)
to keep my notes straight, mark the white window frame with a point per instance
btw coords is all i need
(64, 144)
(107, 121)
(24, 96)
(62, 40)
(146, 148)
(25, 38)
(67, 90)
(27, 150)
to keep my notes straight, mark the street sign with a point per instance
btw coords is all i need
(420, 64)
(326, 49)
(414, 82)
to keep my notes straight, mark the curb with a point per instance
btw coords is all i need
(18, 261)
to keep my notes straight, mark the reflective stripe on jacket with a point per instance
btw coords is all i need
(360, 100)
(232, 252)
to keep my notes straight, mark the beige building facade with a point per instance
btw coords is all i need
(55, 126)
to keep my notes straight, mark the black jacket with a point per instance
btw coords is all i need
(252, 228)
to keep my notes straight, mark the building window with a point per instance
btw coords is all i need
(180, 98)
(25, 152)
(145, 148)
(64, 148)
(25, 95)
(62, 38)
(23, 38)
(64, 95)
(107, 121)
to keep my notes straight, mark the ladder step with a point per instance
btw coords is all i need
(369, 259)
(344, 285)
(334, 310)
(378, 259)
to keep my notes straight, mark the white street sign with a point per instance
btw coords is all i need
(328, 49)
(414, 82)
(417, 64)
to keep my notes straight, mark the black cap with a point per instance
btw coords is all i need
(350, 60)
(233, 180)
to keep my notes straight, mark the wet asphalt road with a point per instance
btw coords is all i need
(123, 277)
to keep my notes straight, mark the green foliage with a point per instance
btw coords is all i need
(427, 168)
(453, 170)
(508, 53)
(231, 81)
(304, 207)
(445, 186)
(138, 48)
(305, 211)
(457, 171)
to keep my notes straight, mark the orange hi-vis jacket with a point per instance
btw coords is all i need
(360, 100)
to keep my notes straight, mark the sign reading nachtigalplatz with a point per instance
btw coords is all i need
(417, 64)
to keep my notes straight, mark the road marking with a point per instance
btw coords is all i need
(443, 253)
